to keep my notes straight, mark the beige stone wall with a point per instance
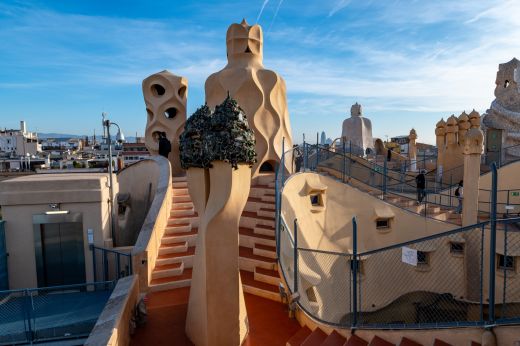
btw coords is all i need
(113, 325)
(146, 249)
(330, 228)
(23, 197)
(139, 181)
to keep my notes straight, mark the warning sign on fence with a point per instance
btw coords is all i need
(409, 256)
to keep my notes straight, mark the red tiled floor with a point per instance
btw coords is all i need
(268, 321)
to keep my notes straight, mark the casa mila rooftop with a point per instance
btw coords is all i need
(230, 234)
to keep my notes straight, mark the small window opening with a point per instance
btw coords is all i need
(506, 84)
(158, 90)
(456, 248)
(170, 113)
(266, 167)
(422, 257)
(382, 223)
(506, 262)
(311, 294)
(248, 50)
(182, 91)
(316, 200)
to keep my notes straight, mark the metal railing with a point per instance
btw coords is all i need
(110, 264)
(462, 277)
(4, 277)
(51, 313)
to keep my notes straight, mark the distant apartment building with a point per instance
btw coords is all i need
(19, 142)
(134, 152)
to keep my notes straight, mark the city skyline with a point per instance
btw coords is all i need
(408, 63)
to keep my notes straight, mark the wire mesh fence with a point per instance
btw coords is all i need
(324, 285)
(433, 281)
(52, 313)
(507, 280)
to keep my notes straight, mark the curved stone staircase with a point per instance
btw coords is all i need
(306, 337)
(257, 250)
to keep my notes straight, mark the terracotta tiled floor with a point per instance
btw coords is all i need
(268, 321)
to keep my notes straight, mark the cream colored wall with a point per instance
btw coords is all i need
(140, 182)
(21, 198)
(146, 249)
(113, 325)
(331, 230)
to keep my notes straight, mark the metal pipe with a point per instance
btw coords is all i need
(106, 123)
(492, 246)
(295, 256)
(354, 271)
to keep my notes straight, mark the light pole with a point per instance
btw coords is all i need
(119, 138)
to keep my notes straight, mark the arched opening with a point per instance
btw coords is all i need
(506, 83)
(158, 90)
(267, 166)
(170, 113)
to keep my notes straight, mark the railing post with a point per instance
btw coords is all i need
(93, 248)
(282, 163)
(304, 156)
(295, 256)
(105, 266)
(354, 272)
(482, 233)
(317, 152)
(277, 211)
(385, 171)
(344, 161)
(492, 246)
(118, 265)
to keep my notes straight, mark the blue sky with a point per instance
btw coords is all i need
(408, 63)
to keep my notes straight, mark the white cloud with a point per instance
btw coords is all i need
(338, 6)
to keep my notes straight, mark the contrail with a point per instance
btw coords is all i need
(261, 10)
(275, 14)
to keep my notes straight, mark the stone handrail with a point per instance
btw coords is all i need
(113, 325)
(146, 248)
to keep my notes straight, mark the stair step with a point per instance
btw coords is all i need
(178, 228)
(179, 179)
(179, 184)
(189, 237)
(408, 342)
(181, 198)
(355, 340)
(189, 252)
(299, 337)
(182, 204)
(268, 276)
(258, 288)
(180, 192)
(171, 282)
(265, 251)
(315, 338)
(266, 212)
(249, 261)
(249, 238)
(168, 270)
(438, 342)
(264, 230)
(173, 248)
(377, 341)
(334, 339)
(268, 198)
